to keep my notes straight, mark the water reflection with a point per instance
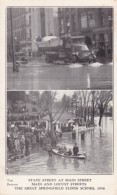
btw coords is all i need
(97, 145)
(51, 165)
(75, 164)
(50, 76)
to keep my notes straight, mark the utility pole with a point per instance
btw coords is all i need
(12, 40)
(25, 97)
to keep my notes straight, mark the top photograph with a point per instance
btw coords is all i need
(59, 48)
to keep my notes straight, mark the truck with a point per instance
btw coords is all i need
(65, 48)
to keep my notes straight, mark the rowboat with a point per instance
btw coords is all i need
(79, 156)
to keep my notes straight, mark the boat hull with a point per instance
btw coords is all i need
(80, 156)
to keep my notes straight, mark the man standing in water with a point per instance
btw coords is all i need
(75, 150)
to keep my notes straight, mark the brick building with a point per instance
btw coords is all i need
(21, 29)
(95, 24)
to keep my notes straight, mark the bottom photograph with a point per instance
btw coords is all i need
(59, 132)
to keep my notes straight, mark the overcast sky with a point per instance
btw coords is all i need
(60, 93)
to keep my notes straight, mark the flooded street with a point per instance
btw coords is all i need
(41, 75)
(97, 145)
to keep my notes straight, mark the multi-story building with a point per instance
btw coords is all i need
(95, 24)
(19, 20)
(26, 24)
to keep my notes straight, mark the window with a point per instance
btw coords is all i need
(62, 26)
(83, 20)
(29, 19)
(101, 37)
(73, 22)
(101, 17)
(91, 19)
(106, 37)
(67, 24)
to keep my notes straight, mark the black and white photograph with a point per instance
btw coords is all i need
(59, 132)
(59, 48)
(58, 104)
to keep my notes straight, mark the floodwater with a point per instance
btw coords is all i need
(98, 145)
(38, 75)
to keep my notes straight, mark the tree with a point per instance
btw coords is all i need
(46, 105)
(65, 102)
(90, 102)
(52, 108)
(94, 106)
(104, 98)
(81, 100)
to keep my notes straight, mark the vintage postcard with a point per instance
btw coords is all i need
(58, 102)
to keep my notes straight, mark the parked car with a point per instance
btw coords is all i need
(22, 57)
(81, 53)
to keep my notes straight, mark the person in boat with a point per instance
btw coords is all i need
(69, 152)
(64, 150)
(75, 150)
(60, 150)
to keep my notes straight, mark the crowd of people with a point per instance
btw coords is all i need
(26, 134)
(21, 117)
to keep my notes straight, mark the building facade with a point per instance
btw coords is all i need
(95, 24)
(18, 29)
(26, 24)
